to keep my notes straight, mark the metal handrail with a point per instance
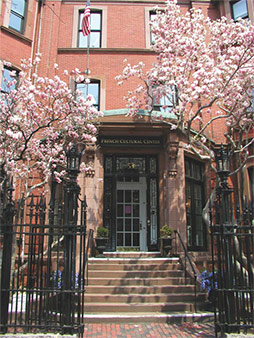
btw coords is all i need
(186, 256)
(88, 245)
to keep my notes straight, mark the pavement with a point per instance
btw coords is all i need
(145, 330)
(150, 330)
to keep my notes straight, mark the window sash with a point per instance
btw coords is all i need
(239, 9)
(92, 88)
(167, 101)
(17, 15)
(6, 78)
(152, 36)
(94, 38)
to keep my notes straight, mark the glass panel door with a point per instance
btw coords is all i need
(131, 215)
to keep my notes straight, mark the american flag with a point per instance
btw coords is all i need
(85, 20)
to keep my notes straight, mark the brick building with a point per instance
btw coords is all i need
(142, 177)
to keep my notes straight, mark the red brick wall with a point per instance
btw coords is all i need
(125, 29)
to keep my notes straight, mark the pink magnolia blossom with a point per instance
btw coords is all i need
(211, 66)
(39, 120)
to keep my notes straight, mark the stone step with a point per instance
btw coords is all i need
(152, 317)
(138, 307)
(141, 298)
(125, 289)
(138, 287)
(136, 261)
(133, 266)
(132, 254)
(135, 273)
(136, 281)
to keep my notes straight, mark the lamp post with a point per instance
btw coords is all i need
(71, 194)
(222, 159)
(73, 160)
(224, 247)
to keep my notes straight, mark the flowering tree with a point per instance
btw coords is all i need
(40, 118)
(204, 73)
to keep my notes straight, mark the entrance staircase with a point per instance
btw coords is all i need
(140, 287)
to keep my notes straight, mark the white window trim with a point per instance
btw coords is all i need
(148, 10)
(12, 67)
(76, 11)
(6, 18)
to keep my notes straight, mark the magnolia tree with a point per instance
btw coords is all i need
(40, 119)
(204, 72)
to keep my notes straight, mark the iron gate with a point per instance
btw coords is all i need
(43, 263)
(232, 237)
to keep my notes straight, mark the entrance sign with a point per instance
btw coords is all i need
(112, 141)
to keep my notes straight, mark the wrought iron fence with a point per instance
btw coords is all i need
(43, 259)
(43, 272)
(233, 265)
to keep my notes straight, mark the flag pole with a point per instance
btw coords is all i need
(87, 55)
(86, 29)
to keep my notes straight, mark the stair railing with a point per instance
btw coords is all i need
(89, 244)
(187, 259)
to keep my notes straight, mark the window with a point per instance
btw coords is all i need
(94, 38)
(17, 15)
(92, 88)
(239, 10)
(6, 83)
(150, 15)
(168, 99)
(152, 37)
(194, 188)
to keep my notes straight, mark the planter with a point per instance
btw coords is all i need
(101, 243)
(166, 246)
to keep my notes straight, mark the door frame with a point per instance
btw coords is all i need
(149, 170)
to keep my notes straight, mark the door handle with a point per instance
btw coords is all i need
(140, 226)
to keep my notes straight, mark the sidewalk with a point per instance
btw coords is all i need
(150, 330)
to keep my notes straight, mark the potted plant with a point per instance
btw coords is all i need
(101, 240)
(166, 239)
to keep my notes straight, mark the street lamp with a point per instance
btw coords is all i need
(73, 159)
(222, 159)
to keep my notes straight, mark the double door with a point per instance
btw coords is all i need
(131, 202)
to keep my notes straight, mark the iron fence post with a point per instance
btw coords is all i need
(7, 228)
(225, 219)
(71, 194)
